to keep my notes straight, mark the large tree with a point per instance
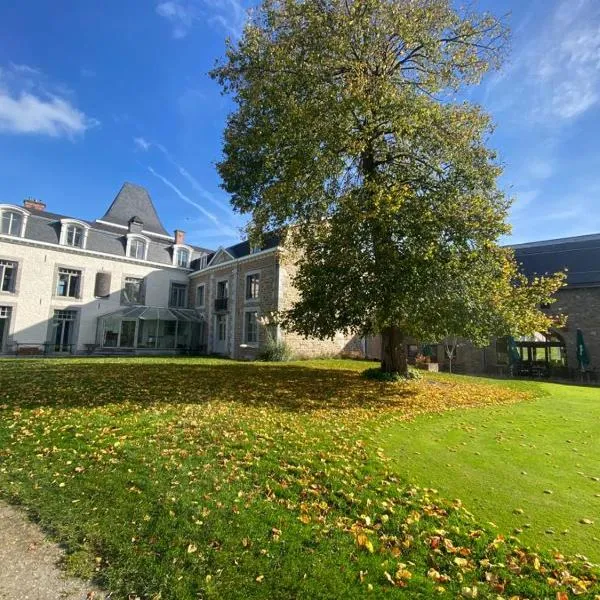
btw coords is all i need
(349, 134)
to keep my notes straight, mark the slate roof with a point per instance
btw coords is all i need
(242, 249)
(580, 255)
(134, 201)
(131, 201)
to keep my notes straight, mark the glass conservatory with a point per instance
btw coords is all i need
(151, 328)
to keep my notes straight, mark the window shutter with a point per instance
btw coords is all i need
(102, 287)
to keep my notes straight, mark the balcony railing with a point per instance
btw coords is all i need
(221, 303)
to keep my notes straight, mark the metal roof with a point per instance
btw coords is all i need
(579, 255)
(156, 313)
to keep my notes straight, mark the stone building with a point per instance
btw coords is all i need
(123, 284)
(551, 353)
(242, 286)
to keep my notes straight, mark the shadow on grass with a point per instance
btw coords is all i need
(291, 387)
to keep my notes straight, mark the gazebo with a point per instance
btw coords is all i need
(150, 328)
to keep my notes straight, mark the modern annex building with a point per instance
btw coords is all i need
(123, 284)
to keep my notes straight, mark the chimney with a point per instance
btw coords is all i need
(135, 225)
(179, 236)
(33, 204)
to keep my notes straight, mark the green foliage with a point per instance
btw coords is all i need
(275, 351)
(378, 375)
(347, 130)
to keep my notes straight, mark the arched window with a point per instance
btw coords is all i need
(137, 246)
(12, 220)
(544, 349)
(182, 256)
(73, 233)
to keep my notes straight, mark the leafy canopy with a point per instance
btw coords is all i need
(347, 127)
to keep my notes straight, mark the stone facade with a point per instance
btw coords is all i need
(310, 347)
(234, 272)
(275, 268)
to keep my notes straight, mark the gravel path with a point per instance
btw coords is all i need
(28, 564)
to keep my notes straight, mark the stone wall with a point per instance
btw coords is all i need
(302, 347)
(235, 272)
(582, 308)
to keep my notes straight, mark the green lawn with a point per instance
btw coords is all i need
(200, 478)
(533, 467)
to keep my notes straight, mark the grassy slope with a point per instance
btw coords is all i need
(186, 478)
(501, 461)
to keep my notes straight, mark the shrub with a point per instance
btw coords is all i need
(378, 375)
(421, 361)
(274, 351)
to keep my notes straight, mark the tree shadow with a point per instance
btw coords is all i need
(290, 387)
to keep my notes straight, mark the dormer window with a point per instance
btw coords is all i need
(12, 220)
(182, 256)
(137, 246)
(73, 233)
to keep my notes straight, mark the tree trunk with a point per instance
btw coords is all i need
(393, 354)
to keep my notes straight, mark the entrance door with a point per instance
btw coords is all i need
(4, 323)
(64, 324)
(127, 338)
(221, 334)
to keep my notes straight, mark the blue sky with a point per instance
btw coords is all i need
(93, 94)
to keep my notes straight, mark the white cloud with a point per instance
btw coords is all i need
(522, 199)
(142, 144)
(181, 15)
(554, 75)
(539, 168)
(27, 107)
(227, 15)
(223, 229)
(198, 187)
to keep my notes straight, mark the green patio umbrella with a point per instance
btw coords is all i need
(583, 358)
(514, 355)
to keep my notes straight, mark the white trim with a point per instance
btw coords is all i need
(219, 250)
(24, 214)
(236, 260)
(246, 275)
(112, 224)
(118, 225)
(58, 247)
(190, 251)
(590, 237)
(137, 236)
(64, 224)
(203, 305)
(251, 309)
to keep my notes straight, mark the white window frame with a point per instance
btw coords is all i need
(14, 265)
(176, 249)
(64, 229)
(245, 328)
(14, 209)
(72, 272)
(142, 294)
(203, 286)
(138, 237)
(252, 298)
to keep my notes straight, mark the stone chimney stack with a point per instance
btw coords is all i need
(179, 236)
(33, 204)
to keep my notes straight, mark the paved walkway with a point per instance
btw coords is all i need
(28, 564)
